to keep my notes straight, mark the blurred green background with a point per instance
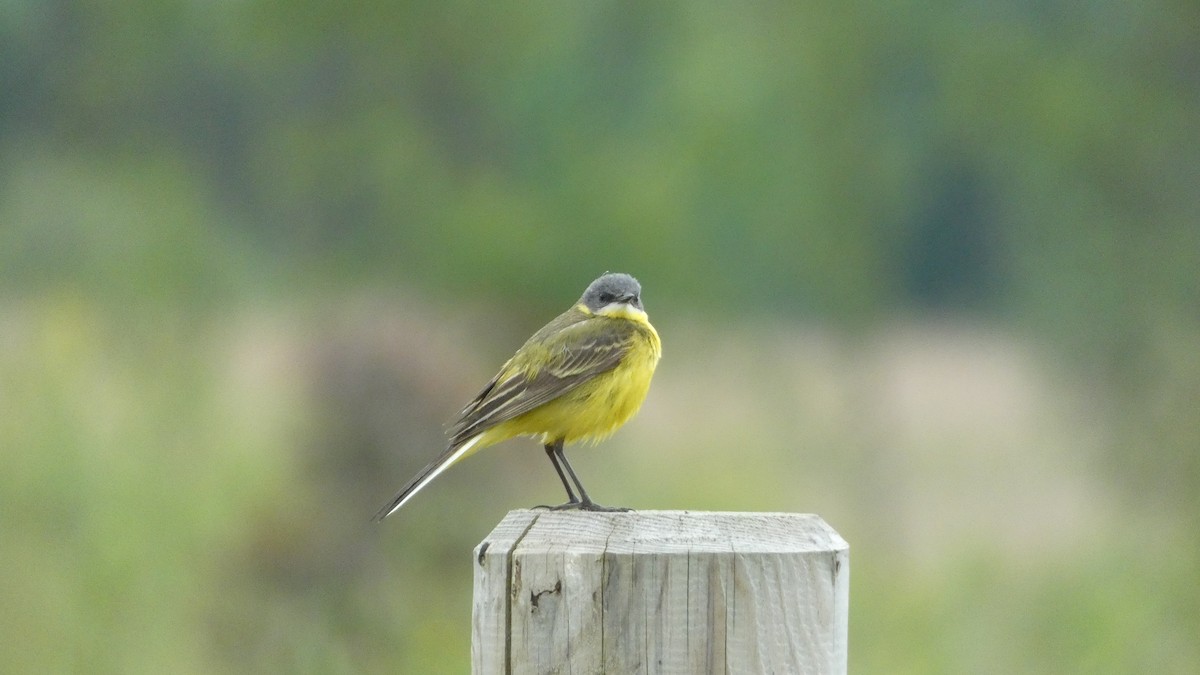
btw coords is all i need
(929, 271)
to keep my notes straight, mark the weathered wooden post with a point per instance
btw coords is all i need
(660, 592)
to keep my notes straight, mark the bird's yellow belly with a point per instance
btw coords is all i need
(597, 408)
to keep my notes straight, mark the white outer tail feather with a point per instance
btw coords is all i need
(446, 464)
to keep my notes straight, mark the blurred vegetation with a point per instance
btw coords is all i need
(929, 271)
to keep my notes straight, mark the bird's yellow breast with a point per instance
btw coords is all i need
(597, 408)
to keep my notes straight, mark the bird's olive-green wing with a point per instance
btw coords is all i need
(543, 371)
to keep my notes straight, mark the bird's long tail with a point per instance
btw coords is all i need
(451, 455)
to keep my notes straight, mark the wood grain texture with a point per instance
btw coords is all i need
(661, 592)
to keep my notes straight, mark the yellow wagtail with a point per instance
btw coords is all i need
(579, 378)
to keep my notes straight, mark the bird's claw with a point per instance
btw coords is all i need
(583, 506)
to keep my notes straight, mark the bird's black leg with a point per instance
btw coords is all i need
(585, 503)
(572, 500)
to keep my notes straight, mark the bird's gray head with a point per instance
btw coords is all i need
(613, 289)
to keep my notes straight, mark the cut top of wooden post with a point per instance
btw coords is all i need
(670, 531)
(661, 592)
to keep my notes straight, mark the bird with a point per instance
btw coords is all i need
(577, 379)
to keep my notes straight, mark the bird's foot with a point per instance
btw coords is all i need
(593, 506)
(587, 505)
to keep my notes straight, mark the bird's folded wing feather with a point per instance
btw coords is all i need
(515, 391)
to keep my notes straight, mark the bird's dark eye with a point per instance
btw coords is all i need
(606, 298)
